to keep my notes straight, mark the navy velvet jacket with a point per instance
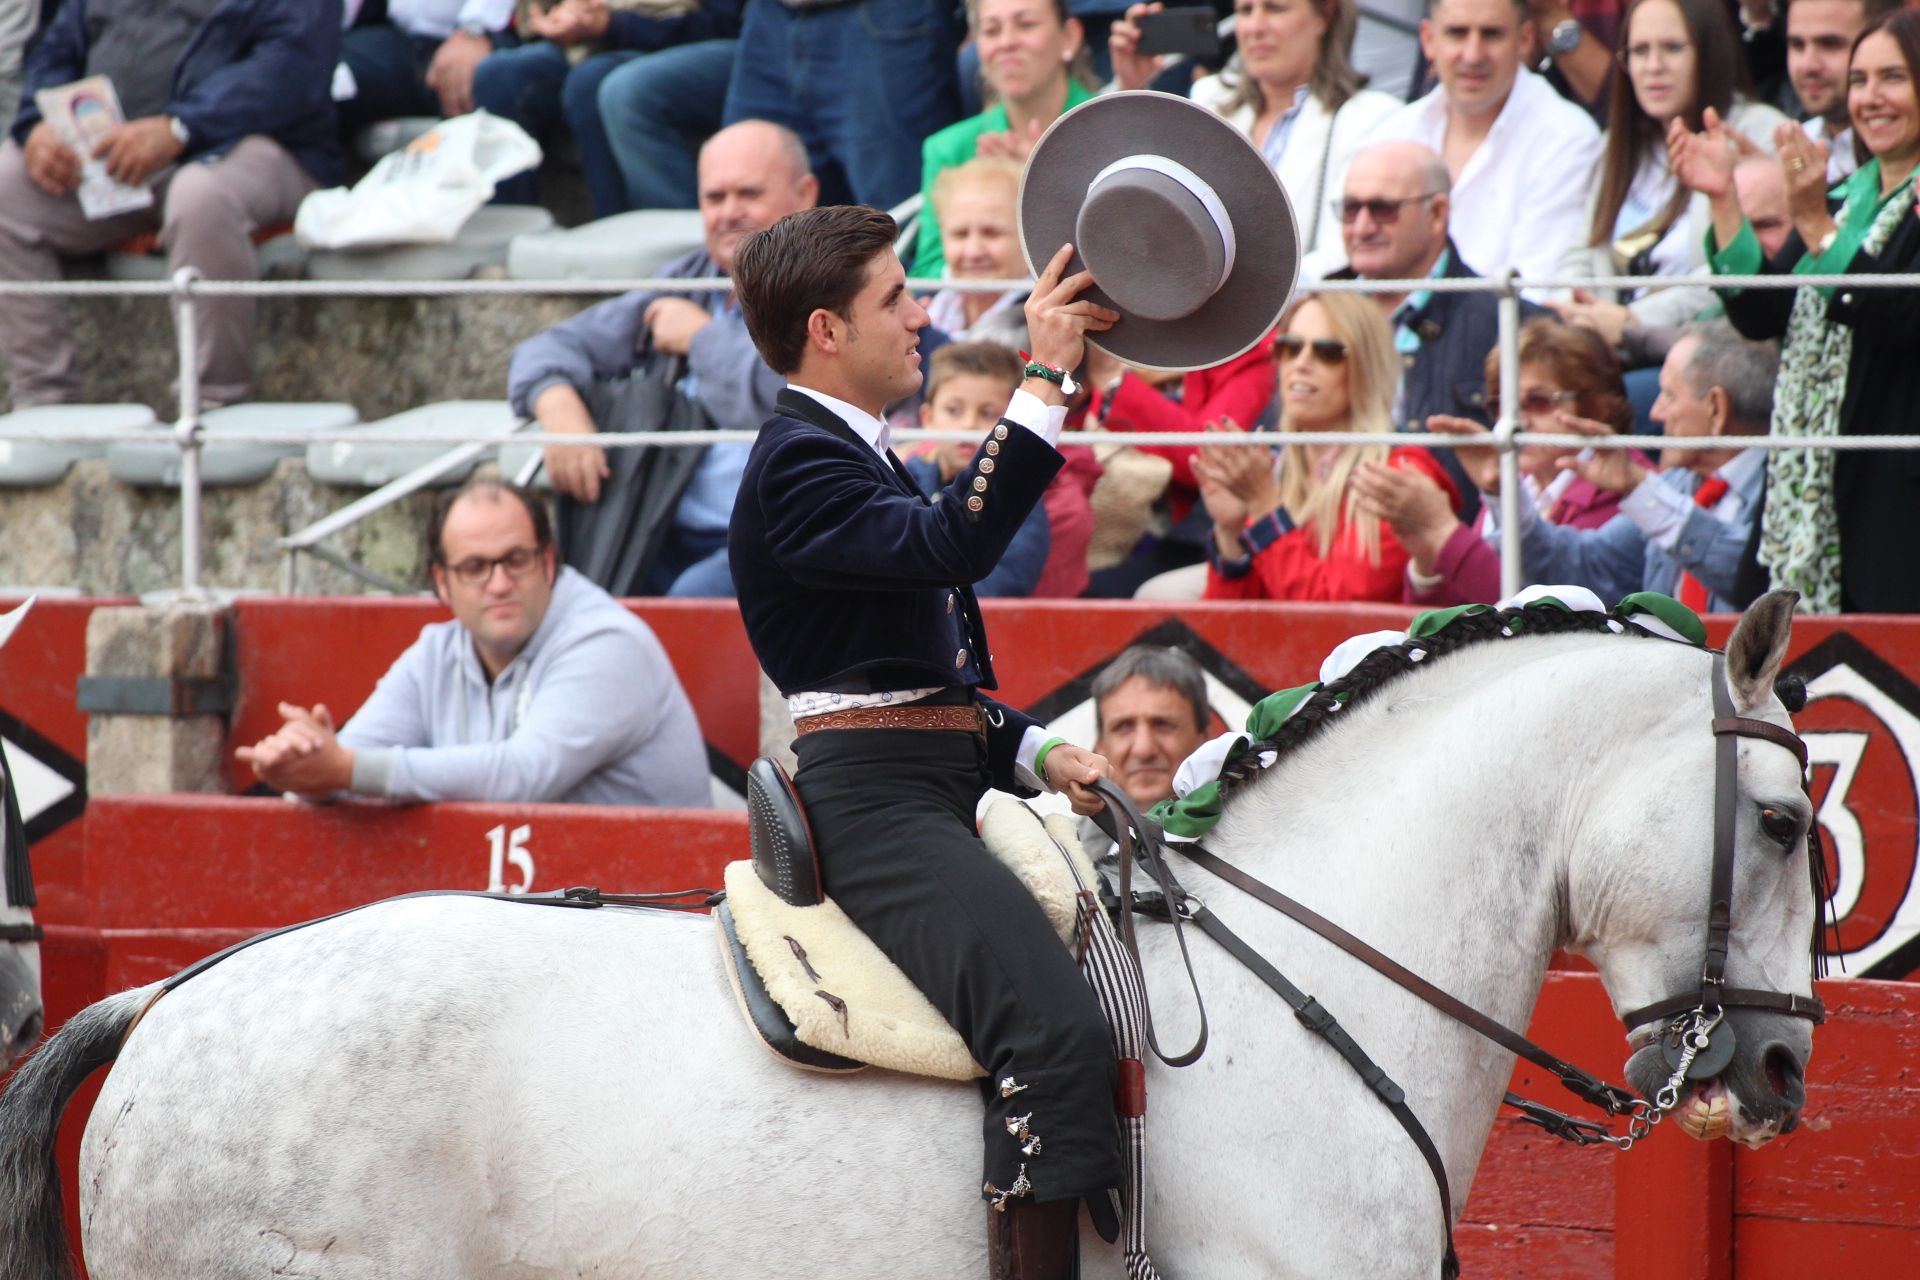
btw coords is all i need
(849, 580)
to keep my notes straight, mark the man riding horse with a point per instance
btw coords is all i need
(855, 592)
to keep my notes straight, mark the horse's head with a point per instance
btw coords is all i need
(1644, 920)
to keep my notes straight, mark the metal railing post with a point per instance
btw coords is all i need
(186, 432)
(1503, 432)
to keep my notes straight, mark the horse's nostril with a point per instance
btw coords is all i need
(1783, 1074)
(28, 1036)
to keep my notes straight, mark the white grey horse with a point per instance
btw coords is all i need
(452, 1087)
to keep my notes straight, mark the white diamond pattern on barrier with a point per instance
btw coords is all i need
(37, 785)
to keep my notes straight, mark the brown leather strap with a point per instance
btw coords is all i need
(1744, 727)
(1808, 1007)
(911, 716)
(1577, 1080)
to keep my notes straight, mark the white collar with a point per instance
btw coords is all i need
(1741, 469)
(864, 424)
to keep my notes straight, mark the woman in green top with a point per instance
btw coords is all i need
(1032, 59)
(1838, 526)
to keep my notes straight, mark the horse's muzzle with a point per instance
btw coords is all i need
(21, 1017)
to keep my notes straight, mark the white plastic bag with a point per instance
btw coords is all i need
(424, 193)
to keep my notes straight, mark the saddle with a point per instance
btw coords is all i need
(814, 989)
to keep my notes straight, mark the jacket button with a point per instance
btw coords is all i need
(993, 448)
(949, 602)
(1847, 298)
(986, 466)
(979, 484)
(1000, 432)
(976, 504)
(960, 659)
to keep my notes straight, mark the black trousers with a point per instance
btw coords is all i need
(892, 816)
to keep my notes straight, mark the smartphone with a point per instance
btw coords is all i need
(1193, 31)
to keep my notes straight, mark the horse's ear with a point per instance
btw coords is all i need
(1758, 647)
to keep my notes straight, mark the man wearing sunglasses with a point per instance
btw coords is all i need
(542, 687)
(1394, 208)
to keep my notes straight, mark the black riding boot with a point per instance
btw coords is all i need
(1027, 1241)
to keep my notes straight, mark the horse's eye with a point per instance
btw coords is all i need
(1781, 826)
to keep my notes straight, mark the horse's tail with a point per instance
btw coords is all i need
(33, 1239)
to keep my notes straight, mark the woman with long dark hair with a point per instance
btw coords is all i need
(1676, 60)
(1838, 525)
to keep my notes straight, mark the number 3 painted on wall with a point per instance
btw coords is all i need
(509, 848)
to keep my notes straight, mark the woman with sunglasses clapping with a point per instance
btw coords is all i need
(1569, 381)
(1292, 528)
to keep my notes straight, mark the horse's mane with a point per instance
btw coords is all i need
(1388, 664)
(1385, 666)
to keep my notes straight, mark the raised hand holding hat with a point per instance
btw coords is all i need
(1197, 254)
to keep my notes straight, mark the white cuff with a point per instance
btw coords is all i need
(1423, 582)
(1035, 737)
(1660, 511)
(1036, 415)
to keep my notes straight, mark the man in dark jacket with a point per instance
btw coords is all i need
(569, 378)
(856, 594)
(228, 120)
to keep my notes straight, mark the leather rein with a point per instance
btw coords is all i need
(1694, 1017)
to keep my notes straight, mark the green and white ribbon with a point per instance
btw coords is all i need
(1195, 807)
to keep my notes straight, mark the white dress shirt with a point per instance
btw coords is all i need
(1521, 198)
(437, 19)
(1661, 512)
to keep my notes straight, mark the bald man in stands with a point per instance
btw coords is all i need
(752, 174)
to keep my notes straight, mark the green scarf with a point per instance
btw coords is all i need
(1800, 527)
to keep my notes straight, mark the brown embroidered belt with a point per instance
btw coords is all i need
(910, 716)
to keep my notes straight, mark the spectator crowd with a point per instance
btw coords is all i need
(1677, 140)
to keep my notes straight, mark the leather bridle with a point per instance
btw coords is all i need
(1697, 1018)
(1698, 1042)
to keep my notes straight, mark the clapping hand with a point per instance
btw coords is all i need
(1704, 161)
(1413, 505)
(303, 754)
(1480, 461)
(1803, 167)
(1237, 484)
(1615, 470)
(1013, 144)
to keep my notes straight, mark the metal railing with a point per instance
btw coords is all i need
(186, 286)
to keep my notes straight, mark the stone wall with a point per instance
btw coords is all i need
(382, 355)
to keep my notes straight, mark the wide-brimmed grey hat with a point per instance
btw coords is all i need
(1186, 228)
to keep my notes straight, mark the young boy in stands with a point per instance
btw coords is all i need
(968, 386)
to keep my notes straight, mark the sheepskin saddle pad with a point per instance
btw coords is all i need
(845, 1003)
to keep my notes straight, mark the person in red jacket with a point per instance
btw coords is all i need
(1292, 531)
(1126, 400)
